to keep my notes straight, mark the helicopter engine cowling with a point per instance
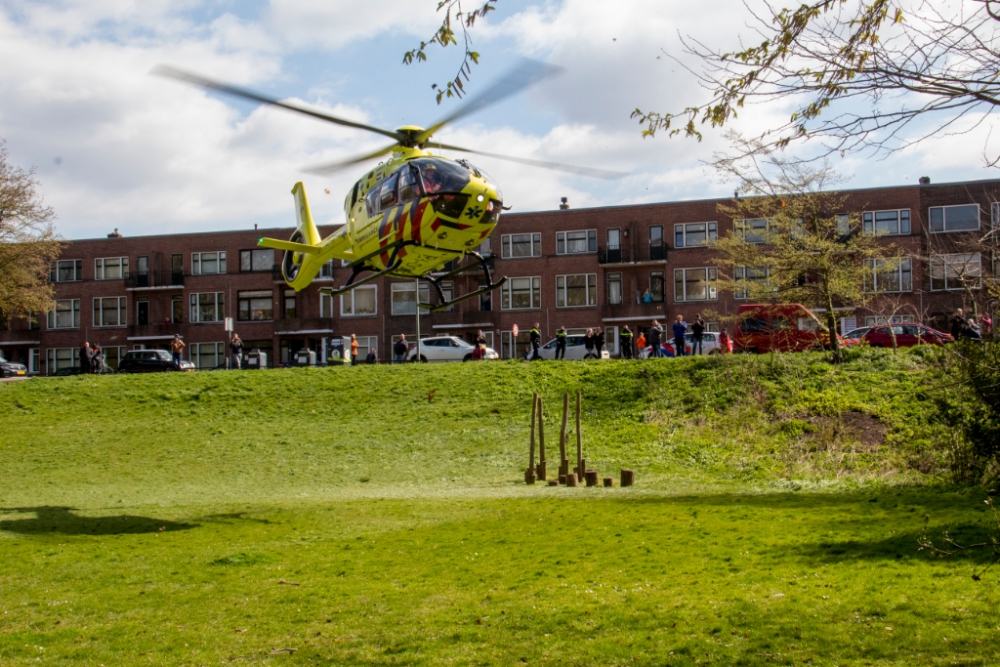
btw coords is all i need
(292, 261)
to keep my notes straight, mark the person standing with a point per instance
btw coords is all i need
(680, 329)
(655, 332)
(561, 343)
(535, 338)
(354, 350)
(697, 333)
(399, 350)
(372, 357)
(85, 356)
(599, 343)
(625, 343)
(957, 323)
(640, 344)
(97, 360)
(236, 352)
(724, 341)
(177, 349)
(588, 343)
(480, 339)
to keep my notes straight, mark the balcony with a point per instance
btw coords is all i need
(300, 325)
(634, 311)
(10, 337)
(154, 280)
(152, 331)
(649, 253)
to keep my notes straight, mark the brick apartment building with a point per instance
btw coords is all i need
(576, 268)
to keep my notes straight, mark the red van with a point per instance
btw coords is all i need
(783, 327)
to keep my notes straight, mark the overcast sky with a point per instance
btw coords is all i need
(117, 148)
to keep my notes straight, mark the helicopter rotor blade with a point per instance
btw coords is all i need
(333, 167)
(526, 73)
(188, 77)
(569, 168)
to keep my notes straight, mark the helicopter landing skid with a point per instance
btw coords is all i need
(465, 297)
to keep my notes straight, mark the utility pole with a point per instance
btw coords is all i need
(417, 300)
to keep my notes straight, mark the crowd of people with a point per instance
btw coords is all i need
(968, 328)
(92, 359)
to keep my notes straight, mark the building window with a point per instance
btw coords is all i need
(110, 268)
(360, 301)
(889, 275)
(575, 291)
(326, 271)
(65, 315)
(875, 320)
(485, 299)
(656, 285)
(325, 305)
(695, 284)
(521, 293)
(964, 218)
(255, 306)
(290, 304)
(403, 299)
(513, 246)
(511, 347)
(35, 361)
(259, 259)
(365, 345)
(995, 216)
(955, 272)
(844, 224)
(66, 270)
(747, 274)
(58, 358)
(886, 223)
(614, 289)
(177, 309)
(752, 231)
(207, 307)
(448, 291)
(207, 355)
(110, 311)
(486, 247)
(694, 234)
(205, 262)
(576, 243)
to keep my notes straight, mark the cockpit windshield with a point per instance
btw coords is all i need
(441, 175)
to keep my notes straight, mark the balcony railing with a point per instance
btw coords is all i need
(154, 279)
(626, 254)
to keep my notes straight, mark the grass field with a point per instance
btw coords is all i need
(376, 515)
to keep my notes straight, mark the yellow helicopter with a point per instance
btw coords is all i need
(412, 214)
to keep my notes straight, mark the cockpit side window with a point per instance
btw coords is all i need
(354, 194)
(409, 183)
(372, 202)
(387, 192)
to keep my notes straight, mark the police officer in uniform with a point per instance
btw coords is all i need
(625, 342)
(535, 337)
(561, 343)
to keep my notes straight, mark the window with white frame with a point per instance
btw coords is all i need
(255, 305)
(325, 305)
(745, 275)
(961, 218)
(843, 224)
(326, 271)
(360, 302)
(35, 361)
(576, 242)
(995, 216)
(207, 307)
(694, 234)
(113, 354)
(65, 314)
(521, 293)
(66, 270)
(576, 291)
(752, 230)
(889, 275)
(110, 268)
(874, 320)
(511, 346)
(886, 223)
(955, 272)
(614, 289)
(486, 247)
(207, 262)
(58, 358)
(365, 345)
(258, 259)
(110, 311)
(207, 355)
(404, 297)
(695, 284)
(513, 246)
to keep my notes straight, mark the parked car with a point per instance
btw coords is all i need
(575, 349)
(785, 327)
(9, 369)
(447, 348)
(709, 345)
(907, 335)
(856, 334)
(152, 361)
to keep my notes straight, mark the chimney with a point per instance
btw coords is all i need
(115, 234)
(925, 180)
(564, 206)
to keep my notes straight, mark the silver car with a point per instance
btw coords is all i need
(575, 349)
(447, 348)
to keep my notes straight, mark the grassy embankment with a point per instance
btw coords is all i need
(205, 518)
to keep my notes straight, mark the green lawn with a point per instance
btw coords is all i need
(349, 515)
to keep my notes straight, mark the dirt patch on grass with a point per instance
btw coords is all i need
(847, 427)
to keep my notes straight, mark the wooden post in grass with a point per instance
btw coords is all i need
(579, 440)
(571, 479)
(529, 474)
(563, 460)
(609, 481)
(592, 477)
(541, 440)
(628, 477)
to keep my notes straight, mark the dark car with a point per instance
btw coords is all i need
(9, 369)
(151, 361)
(907, 335)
